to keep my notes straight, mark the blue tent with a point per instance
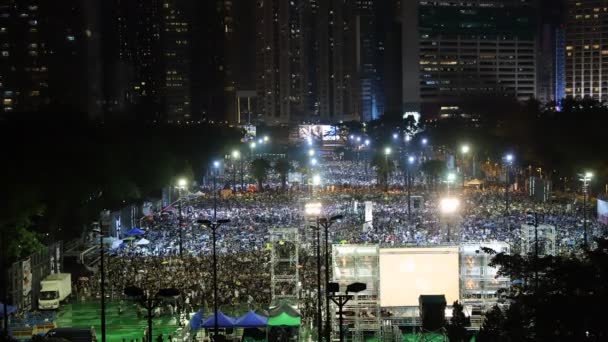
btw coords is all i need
(251, 320)
(10, 309)
(197, 320)
(135, 231)
(223, 321)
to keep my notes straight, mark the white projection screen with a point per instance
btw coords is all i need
(407, 273)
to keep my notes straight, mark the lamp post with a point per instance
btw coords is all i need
(508, 163)
(102, 286)
(314, 210)
(585, 179)
(464, 150)
(216, 166)
(367, 143)
(387, 152)
(410, 163)
(214, 226)
(341, 299)
(326, 223)
(449, 180)
(181, 185)
(448, 207)
(235, 155)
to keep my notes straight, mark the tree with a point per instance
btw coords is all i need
(384, 166)
(457, 331)
(433, 169)
(282, 167)
(259, 170)
(491, 328)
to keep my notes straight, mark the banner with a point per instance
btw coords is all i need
(602, 211)
(369, 207)
(26, 266)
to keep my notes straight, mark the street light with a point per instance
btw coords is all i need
(181, 185)
(387, 152)
(508, 162)
(424, 141)
(395, 136)
(585, 178)
(266, 139)
(464, 149)
(214, 226)
(216, 166)
(341, 299)
(311, 152)
(410, 161)
(236, 155)
(313, 161)
(449, 206)
(314, 210)
(103, 286)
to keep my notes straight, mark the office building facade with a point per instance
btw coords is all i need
(457, 51)
(586, 52)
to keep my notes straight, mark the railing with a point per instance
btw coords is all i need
(90, 256)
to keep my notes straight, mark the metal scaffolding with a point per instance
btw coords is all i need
(546, 239)
(284, 272)
(359, 263)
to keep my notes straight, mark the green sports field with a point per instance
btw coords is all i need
(125, 326)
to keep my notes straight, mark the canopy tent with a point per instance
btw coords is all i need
(251, 320)
(135, 231)
(10, 309)
(223, 321)
(169, 209)
(143, 241)
(196, 322)
(283, 308)
(284, 320)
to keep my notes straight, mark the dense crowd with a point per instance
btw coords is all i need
(243, 243)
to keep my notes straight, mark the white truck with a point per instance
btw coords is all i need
(54, 289)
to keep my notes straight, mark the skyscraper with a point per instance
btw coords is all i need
(176, 59)
(456, 51)
(24, 72)
(587, 49)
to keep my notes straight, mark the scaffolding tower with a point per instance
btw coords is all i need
(284, 272)
(546, 239)
(359, 263)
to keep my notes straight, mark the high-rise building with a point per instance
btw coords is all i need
(455, 51)
(587, 49)
(24, 72)
(176, 60)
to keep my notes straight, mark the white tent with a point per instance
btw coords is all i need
(142, 242)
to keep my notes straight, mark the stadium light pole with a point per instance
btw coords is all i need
(387, 152)
(314, 210)
(214, 227)
(326, 224)
(102, 287)
(182, 183)
(464, 149)
(585, 179)
(342, 299)
(508, 163)
(235, 155)
(448, 206)
(410, 163)
(216, 167)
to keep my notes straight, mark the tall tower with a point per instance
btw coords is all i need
(24, 58)
(454, 53)
(586, 50)
(176, 60)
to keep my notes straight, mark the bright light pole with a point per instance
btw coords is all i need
(508, 162)
(182, 183)
(103, 287)
(449, 180)
(216, 168)
(387, 152)
(214, 226)
(410, 163)
(464, 149)
(314, 210)
(235, 155)
(585, 179)
(448, 207)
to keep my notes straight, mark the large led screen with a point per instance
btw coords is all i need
(407, 273)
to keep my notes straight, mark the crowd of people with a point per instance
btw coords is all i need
(243, 244)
